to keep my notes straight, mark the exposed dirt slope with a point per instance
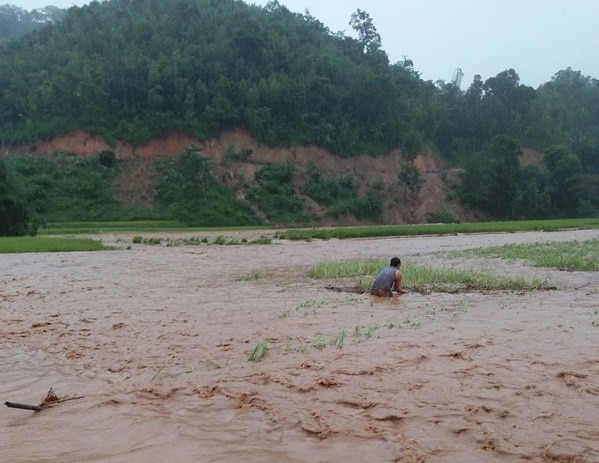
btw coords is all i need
(227, 152)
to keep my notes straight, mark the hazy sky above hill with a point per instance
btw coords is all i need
(537, 38)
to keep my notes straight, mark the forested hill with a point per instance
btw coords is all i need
(133, 70)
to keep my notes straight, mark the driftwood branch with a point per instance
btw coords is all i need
(37, 408)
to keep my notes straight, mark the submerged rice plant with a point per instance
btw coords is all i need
(423, 278)
(259, 352)
(567, 255)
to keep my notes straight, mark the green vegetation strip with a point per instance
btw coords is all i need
(422, 278)
(438, 229)
(48, 244)
(60, 228)
(566, 255)
(327, 233)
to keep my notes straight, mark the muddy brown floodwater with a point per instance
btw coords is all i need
(156, 339)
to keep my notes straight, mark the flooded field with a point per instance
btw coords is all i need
(152, 344)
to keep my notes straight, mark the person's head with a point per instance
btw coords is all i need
(395, 262)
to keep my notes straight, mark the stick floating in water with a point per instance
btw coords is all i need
(50, 400)
(35, 408)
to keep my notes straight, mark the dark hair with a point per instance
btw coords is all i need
(395, 262)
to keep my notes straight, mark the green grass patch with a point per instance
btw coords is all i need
(220, 240)
(423, 278)
(71, 228)
(426, 278)
(49, 244)
(58, 228)
(259, 352)
(339, 340)
(335, 270)
(320, 343)
(565, 255)
(437, 229)
(254, 276)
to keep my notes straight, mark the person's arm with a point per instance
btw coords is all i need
(397, 285)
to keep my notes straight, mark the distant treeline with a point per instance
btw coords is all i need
(134, 70)
(15, 22)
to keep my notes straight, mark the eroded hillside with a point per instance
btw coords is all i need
(237, 157)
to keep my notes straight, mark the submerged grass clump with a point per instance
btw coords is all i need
(254, 276)
(220, 240)
(566, 255)
(423, 278)
(259, 352)
(365, 333)
(358, 268)
(338, 340)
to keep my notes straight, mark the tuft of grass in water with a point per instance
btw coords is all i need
(366, 333)
(252, 276)
(209, 365)
(195, 241)
(310, 306)
(424, 278)
(18, 244)
(295, 344)
(259, 352)
(338, 340)
(566, 255)
(220, 240)
(320, 343)
(153, 241)
(160, 374)
(261, 240)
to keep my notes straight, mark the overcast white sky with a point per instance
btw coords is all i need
(537, 38)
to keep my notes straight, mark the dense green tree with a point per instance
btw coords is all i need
(411, 177)
(14, 215)
(369, 38)
(533, 199)
(329, 189)
(505, 176)
(193, 194)
(492, 180)
(274, 195)
(563, 168)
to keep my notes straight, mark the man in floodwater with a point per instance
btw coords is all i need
(388, 280)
